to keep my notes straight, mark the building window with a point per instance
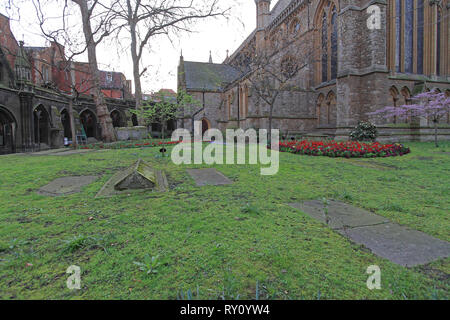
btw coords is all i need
(45, 74)
(418, 37)
(409, 32)
(438, 41)
(420, 32)
(329, 43)
(109, 77)
(334, 36)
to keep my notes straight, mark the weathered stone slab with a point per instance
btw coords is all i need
(139, 177)
(66, 185)
(340, 214)
(399, 244)
(208, 177)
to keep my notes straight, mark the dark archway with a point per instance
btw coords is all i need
(205, 125)
(65, 120)
(7, 132)
(41, 126)
(116, 118)
(89, 122)
(134, 120)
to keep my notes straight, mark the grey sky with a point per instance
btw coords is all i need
(216, 35)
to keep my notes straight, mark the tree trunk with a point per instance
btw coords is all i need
(162, 129)
(436, 133)
(269, 141)
(135, 58)
(108, 133)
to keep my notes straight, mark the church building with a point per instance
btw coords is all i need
(366, 55)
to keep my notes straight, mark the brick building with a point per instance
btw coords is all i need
(35, 90)
(355, 70)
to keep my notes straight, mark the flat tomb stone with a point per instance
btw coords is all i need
(399, 244)
(208, 177)
(66, 185)
(340, 214)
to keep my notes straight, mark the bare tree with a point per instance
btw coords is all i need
(104, 28)
(146, 20)
(274, 68)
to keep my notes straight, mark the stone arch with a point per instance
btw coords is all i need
(331, 108)
(206, 125)
(65, 121)
(8, 127)
(117, 118)
(395, 97)
(89, 122)
(41, 125)
(325, 34)
(319, 109)
(406, 99)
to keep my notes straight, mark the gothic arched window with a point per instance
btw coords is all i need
(334, 44)
(328, 35)
(324, 48)
(418, 37)
(438, 41)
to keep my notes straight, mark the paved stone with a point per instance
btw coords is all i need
(208, 177)
(66, 185)
(397, 243)
(340, 214)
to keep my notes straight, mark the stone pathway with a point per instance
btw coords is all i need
(386, 239)
(208, 177)
(66, 185)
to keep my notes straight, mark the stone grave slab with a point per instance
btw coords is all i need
(397, 243)
(340, 214)
(208, 177)
(66, 185)
(139, 177)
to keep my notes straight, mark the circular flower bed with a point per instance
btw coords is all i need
(128, 145)
(349, 149)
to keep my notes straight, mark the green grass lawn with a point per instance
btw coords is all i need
(223, 240)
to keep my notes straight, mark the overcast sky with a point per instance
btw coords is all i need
(216, 35)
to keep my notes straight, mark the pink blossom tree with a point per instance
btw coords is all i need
(432, 105)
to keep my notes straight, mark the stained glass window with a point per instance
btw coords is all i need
(398, 24)
(334, 36)
(408, 35)
(324, 48)
(420, 31)
(438, 43)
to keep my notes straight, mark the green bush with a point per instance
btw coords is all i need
(364, 131)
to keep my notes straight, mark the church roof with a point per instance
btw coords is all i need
(208, 76)
(278, 8)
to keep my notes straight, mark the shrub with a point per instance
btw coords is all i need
(364, 131)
